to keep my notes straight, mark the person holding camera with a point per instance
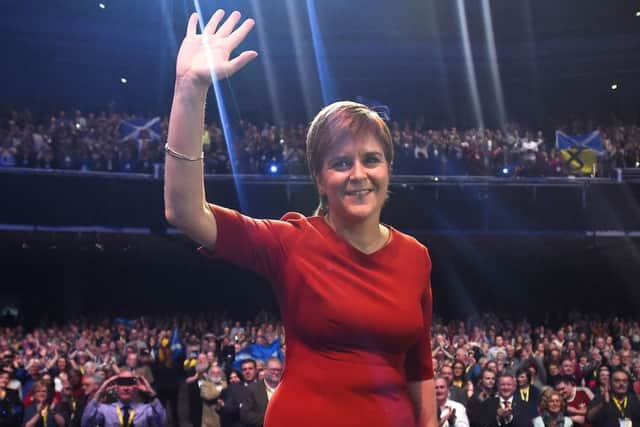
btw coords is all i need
(136, 404)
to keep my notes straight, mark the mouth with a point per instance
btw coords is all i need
(356, 193)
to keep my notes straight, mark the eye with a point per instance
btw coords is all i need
(372, 159)
(341, 164)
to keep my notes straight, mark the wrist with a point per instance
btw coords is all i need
(190, 87)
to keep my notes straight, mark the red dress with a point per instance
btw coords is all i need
(357, 325)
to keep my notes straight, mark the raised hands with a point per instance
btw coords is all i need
(207, 55)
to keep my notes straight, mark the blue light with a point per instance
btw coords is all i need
(101, 5)
(505, 171)
(273, 168)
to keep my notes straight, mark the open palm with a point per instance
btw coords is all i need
(207, 55)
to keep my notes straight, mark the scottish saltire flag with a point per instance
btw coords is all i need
(587, 141)
(383, 110)
(130, 129)
(580, 152)
(259, 352)
(176, 346)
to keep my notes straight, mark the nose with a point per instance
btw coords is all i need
(358, 171)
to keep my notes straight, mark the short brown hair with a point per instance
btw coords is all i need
(340, 121)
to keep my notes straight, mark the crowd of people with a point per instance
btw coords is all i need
(106, 142)
(489, 372)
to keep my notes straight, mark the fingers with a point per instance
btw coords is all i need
(192, 26)
(213, 23)
(241, 33)
(229, 24)
(241, 60)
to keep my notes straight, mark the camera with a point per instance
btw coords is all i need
(127, 381)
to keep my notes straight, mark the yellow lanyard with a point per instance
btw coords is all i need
(73, 404)
(620, 407)
(121, 419)
(524, 394)
(43, 414)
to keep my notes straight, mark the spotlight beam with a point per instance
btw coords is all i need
(469, 67)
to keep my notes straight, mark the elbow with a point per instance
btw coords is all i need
(170, 216)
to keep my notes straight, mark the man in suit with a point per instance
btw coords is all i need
(237, 394)
(476, 406)
(504, 409)
(254, 408)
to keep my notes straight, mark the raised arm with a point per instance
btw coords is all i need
(201, 58)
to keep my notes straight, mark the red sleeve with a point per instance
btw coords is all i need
(257, 245)
(419, 363)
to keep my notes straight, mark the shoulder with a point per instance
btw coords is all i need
(408, 243)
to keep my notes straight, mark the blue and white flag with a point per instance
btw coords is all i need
(383, 110)
(259, 352)
(130, 129)
(589, 141)
(176, 346)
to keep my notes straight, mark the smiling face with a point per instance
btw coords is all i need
(349, 151)
(354, 180)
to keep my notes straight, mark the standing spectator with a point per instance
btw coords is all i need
(502, 409)
(239, 393)
(526, 395)
(615, 407)
(129, 410)
(254, 408)
(210, 391)
(450, 413)
(455, 393)
(11, 409)
(577, 401)
(477, 409)
(43, 411)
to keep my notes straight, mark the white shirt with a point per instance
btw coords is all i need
(461, 419)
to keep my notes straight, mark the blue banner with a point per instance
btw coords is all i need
(259, 352)
(588, 141)
(176, 345)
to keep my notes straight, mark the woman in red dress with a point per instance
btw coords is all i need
(355, 294)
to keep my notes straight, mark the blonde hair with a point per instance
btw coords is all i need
(338, 122)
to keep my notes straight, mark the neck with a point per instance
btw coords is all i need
(441, 403)
(619, 396)
(367, 236)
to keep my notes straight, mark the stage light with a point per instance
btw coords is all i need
(123, 81)
(436, 179)
(101, 5)
(638, 13)
(614, 86)
(505, 171)
(273, 168)
(638, 164)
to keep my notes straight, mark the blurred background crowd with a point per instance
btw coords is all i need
(202, 367)
(119, 142)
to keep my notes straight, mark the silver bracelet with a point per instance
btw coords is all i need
(179, 156)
